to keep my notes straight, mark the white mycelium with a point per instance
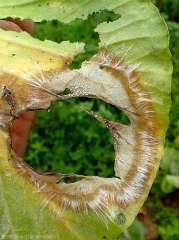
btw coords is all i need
(108, 78)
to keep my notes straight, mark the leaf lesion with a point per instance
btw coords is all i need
(116, 84)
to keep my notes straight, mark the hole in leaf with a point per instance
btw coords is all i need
(76, 31)
(101, 67)
(71, 179)
(68, 140)
(103, 109)
(66, 91)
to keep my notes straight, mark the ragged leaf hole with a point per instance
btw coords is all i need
(66, 91)
(101, 67)
(71, 179)
(67, 139)
(103, 109)
(76, 31)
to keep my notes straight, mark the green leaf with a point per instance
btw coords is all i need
(173, 180)
(132, 71)
(170, 154)
(170, 183)
(170, 161)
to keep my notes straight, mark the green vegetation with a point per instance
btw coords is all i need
(67, 139)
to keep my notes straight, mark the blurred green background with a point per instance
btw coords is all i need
(67, 139)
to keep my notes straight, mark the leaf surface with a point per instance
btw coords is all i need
(132, 71)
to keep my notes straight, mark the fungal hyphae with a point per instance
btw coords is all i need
(135, 146)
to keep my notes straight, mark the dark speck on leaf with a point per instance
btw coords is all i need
(121, 218)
